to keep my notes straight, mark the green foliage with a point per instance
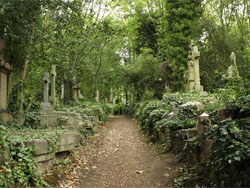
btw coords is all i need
(18, 168)
(182, 25)
(14, 100)
(230, 157)
(31, 119)
(89, 108)
(229, 162)
(119, 108)
(148, 113)
(187, 117)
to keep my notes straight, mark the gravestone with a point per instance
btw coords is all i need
(5, 68)
(53, 84)
(232, 71)
(46, 106)
(77, 92)
(193, 73)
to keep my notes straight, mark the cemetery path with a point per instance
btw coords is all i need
(120, 156)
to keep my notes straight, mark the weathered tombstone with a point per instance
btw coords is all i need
(97, 95)
(46, 106)
(232, 71)
(5, 69)
(193, 74)
(53, 84)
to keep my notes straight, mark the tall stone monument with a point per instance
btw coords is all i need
(232, 71)
(53, 84)
(46, 106)
(5, 69)
(193, 73)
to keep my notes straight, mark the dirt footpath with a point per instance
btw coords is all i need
(120, 156)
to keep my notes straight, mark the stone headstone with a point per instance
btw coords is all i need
(5, 68)
(46, 106)
(232, 71)
(53, 84)
(193, 73)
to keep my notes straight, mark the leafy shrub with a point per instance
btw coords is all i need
(119, 108)
(31, 119)
(229, 162)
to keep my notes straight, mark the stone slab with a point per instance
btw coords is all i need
(68, 147)
(44, 166)
(41, 145)
(68, 138)
(45, 157)
(48, 120)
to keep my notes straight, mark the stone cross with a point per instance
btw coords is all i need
(46, 87)
(193, 74)
(53, 84)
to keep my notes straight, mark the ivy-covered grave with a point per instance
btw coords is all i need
(30, 145)
(208, 132)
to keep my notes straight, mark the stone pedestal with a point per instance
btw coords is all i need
(47, 108)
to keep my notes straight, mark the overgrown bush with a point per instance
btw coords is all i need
(18, 167)
(119, 108)
(230, 160)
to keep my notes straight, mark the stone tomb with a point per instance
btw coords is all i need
(193, 74)
(5, 68)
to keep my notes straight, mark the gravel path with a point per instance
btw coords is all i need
(120, 156)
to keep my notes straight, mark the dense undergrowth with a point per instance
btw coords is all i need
(229, 161)
(17, 167)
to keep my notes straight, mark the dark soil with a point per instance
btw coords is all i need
(120, 156)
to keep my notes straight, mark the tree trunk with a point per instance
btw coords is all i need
(25, 67)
